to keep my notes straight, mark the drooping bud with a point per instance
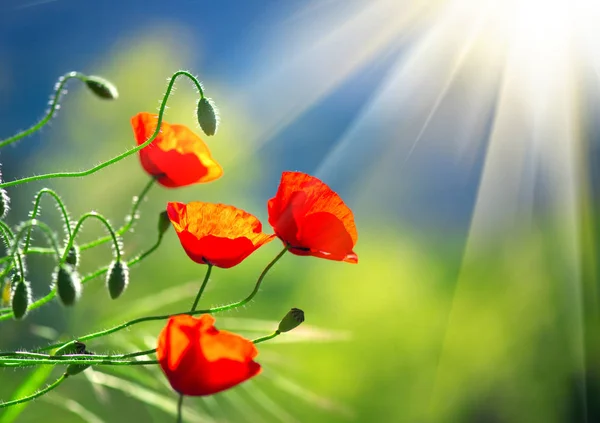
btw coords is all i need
(20, 299)
(73, 256)
(117, 278)
(68, 285)
(207, 116)
(163, 222)
(74, 348)
(101, 87)
(291, 320)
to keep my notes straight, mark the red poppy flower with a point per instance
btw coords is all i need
(177, 157)
(198, 359)
(216, 234)
(312, 219)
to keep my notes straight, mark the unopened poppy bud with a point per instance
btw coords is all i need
(68, 285)
(117, 278)
(207, 116)
(74, 348)
(291, 320)
(73, 256)
(164, 223)
(101, 87)
(4, 203)
(20, 299)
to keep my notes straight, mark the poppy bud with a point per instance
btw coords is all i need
(74, 348)
(207, 116)
(117, 278)
(68, 285)
(21, 298)
(4, 203)
(101, 87)
(73, 256)
(291, 320)
(164, 223)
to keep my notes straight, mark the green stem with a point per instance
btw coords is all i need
(105, 222)
(58, 92)
(129, 221)
(120, 156)
(266, 338)
(204, 283)
(16, 238)
(36, 208)
(89, 361)
(27, 354)
(50, 296)
(180, 409)
(167, 316)
(37, 394)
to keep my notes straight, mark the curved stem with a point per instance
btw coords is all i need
(129, 221)
(108, 226)
(266, 338)
(167, 316)
(58, 92)
(256, 286)
(204, 283)
(120, 156)
(50, 296)
(36, 208)
(17, 238)
(37, 394)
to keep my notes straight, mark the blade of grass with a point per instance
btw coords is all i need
(72, 406)
(162, 402)
(33, 382)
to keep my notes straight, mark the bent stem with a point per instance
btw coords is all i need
(50, 296)
(266, 338)
(105, 222)
(37, 394)
(167, 316)
(58, 92)
(35, 212)
(120, 156)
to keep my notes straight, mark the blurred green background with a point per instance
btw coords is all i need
(455, 313)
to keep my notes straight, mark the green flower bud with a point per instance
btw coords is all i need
(207, 116)
(20, 299)
(164, 223)
(68, 285)
(73, 256)
(117, 278)
(291, 320)
(102, 88)
(74, 348)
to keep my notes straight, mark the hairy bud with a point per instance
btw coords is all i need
(207, 116)
(73, 256)
(102, 88)
(20, 299)
(68, 285)
(117, 278)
